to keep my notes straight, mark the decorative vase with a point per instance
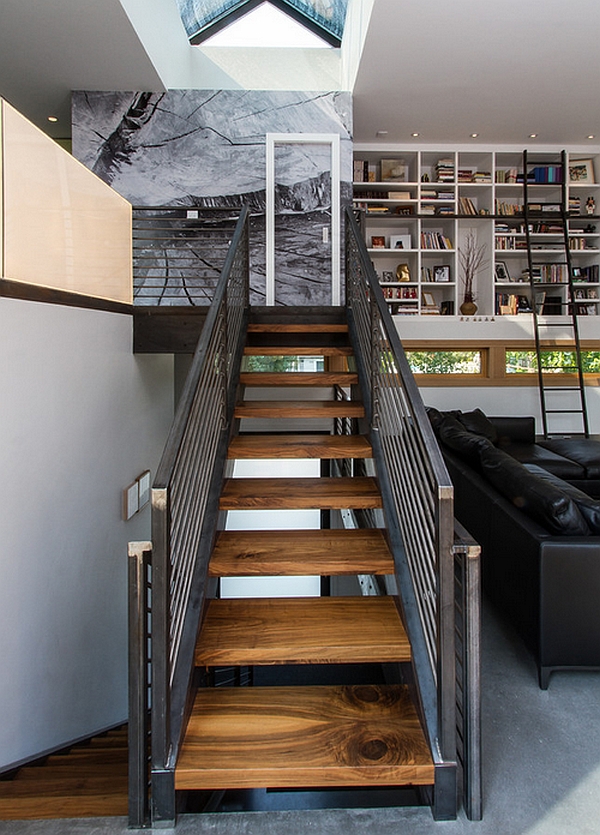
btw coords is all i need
(468, 308)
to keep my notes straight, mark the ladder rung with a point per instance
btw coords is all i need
(564, 411)
(551, 389)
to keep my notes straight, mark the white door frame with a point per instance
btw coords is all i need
(333, 140)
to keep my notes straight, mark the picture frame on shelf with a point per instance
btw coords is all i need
(394, 170)
(592, 293)
(501, 271)
(581, 171)
(387, 277)
(441, 273)
(377, 241)
(428, 299)
(400, 242)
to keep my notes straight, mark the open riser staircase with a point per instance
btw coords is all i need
(410, 715)
(303, 736)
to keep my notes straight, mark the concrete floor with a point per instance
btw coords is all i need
(541, 767)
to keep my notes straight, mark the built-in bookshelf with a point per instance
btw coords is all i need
(419, 207)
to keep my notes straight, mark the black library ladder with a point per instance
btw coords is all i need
(540, 215)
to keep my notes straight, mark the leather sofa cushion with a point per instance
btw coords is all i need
(546, 458)
(467, 444)
(477, 422)
(545, 502)
(588, 506)
(584, 451)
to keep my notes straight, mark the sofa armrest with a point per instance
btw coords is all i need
(514, 429)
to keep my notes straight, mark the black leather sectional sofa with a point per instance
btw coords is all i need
(533, 511)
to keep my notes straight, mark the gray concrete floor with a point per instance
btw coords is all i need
(541, 767)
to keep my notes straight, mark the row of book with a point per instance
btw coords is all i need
(466, 206)
(435, 240)
(509, 304)
(510, 175)
(545, 174)
(404, 293)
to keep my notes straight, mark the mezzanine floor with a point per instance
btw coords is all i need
(541, 768)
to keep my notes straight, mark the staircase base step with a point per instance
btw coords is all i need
(284, 737)
(300, 446)
(289, 553)
(299, 493)
(302, 630)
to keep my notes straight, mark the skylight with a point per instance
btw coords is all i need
(265, 26)
(204, 18)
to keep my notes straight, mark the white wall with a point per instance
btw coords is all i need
(81, 417)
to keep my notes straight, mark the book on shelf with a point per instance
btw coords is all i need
(545, 174)
(435, 240)
(503, 208)
(444, 170)
(509, 304)
(467, 206)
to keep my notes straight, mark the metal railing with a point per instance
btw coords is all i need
(185, 508)
(179, 253)
(418, 506)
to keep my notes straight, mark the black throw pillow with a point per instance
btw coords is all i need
(467, 444)
(477, 422)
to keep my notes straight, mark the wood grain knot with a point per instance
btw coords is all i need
(373, 749)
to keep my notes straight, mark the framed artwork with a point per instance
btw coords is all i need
(428, 300)
(441, 273)
(581, 171)
(400, 242)
(502, 273)
(377, 241)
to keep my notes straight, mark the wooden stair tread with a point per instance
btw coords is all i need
(302, 630)
(300, 446)
(299, 408)
(298, 378)
(298, 350)
(299, 493)
(289, 553)
(295, 327)
(260, 737)
(65, 806)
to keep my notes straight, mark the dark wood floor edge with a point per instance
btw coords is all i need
(63, 746)
(50, 295)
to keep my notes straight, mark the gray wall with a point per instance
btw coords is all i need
(81, 417)
(207, 148)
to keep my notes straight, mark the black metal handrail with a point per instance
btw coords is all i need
(185, 498)
(418, 504)
(179, 252)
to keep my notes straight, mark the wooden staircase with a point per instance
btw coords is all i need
(361, 735)
(87, 780)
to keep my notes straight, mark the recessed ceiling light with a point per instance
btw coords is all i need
(53, 118)
(381, 133)
(591, 136)
(474, 135)
(533, 135)
(414, 134)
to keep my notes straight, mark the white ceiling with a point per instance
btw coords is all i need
(503, 70)
(443, 69)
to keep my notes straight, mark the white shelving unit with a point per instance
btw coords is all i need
(416, 224)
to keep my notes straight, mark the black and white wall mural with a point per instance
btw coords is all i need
(205, 149)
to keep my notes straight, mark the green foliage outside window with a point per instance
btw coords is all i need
(559, 362)
(444, 362)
